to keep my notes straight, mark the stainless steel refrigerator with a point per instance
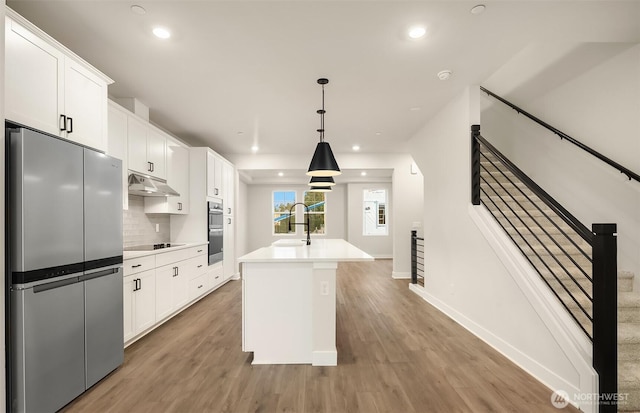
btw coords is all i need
(64, 222)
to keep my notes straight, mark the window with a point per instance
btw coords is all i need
(374, 212)
(316, 203)
(282, 202)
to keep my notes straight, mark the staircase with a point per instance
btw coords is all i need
(563, 260)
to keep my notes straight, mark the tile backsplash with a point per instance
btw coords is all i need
(140, 228)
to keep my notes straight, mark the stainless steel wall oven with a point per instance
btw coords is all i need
(215, 231)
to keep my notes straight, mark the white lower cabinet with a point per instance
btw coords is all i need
(216, 276)
(171, 289)
(159, 286)
(139, 303)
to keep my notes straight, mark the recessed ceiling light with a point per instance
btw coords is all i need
(280, 173)
(161, 32)
(240, 132)
(255, 148)
(417, 32)
(138, 9)
(478, 9)
(444, 74)
(415, 109)
(378, 133)
(355, 147)
(363, 173)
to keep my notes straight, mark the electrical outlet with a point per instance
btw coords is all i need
(324, 288)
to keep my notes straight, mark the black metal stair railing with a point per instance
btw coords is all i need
(577, 264)
(417, 259)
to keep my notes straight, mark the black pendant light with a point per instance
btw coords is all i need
(320, 189)
(322, 181)
(323, 162)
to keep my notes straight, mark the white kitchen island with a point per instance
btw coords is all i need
(289, 300)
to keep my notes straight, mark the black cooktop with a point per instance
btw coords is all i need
(151, 247)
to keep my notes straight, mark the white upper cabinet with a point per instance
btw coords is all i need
(50, 89)
(117, 148)
(214, 176)
(137, 145)
(178, 179)
(157, 152)
(147, 149)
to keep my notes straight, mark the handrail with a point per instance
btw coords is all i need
(629, 173)
(572, 221)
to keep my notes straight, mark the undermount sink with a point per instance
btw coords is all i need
(289, 243)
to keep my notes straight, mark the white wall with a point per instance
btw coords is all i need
(463, 275)
(2, 229)
(379, 246)
(259, 202)
(242, 220)
(597, 103)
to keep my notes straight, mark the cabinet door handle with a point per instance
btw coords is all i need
(229, 209)
(215, 190)
(179, 206)
(149, 166)
(228, 220)
(62, 123)
(70, 122)
(139, 283)
(136, 266)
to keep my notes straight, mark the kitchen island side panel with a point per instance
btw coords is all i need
(278, 318)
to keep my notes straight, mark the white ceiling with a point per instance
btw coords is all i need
(238, 73)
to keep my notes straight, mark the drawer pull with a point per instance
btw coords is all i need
(199, 265)
(200, 286)
(136, 266)
(199, 250)
(217, 277)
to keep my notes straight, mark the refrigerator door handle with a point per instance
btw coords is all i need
(54, 285)
(99, 274)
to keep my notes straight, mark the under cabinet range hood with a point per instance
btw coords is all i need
(149, 186)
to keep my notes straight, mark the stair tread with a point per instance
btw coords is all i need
(628, 333)
(625, 274)
(629, 299)
(629, 374)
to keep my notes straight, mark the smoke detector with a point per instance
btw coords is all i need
(444, 74)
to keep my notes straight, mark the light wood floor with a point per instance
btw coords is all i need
(396, 353)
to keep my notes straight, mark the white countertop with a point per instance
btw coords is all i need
(328, 250)
(127, 255)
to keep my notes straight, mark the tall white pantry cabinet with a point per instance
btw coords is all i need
(211, 177)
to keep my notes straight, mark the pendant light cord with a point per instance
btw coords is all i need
(322, 118)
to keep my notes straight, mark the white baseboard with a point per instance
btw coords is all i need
(540, 372)
(382, 256)
(401, 275)
(324, 358)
